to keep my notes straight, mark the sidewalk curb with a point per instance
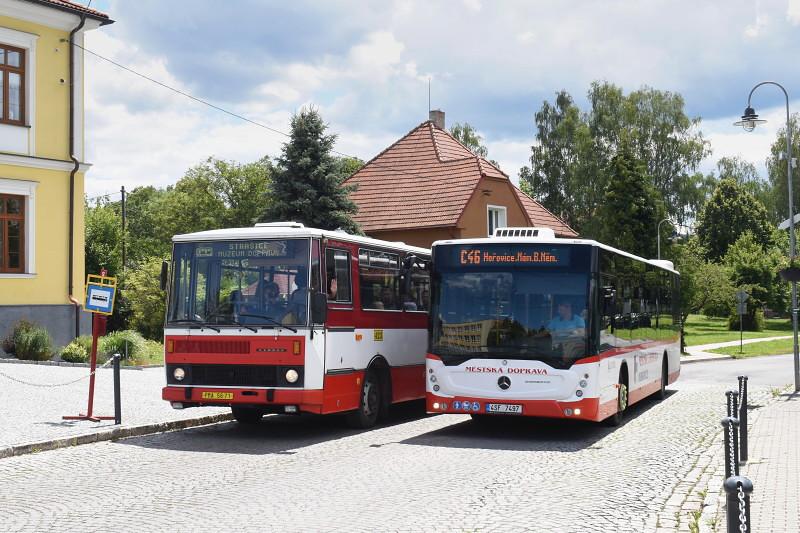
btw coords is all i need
(112, 434)
(706, 359)
(14, 361)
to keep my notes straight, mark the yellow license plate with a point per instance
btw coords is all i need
(217, 396)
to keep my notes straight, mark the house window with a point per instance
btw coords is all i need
(497, 217)
(12, 233)
(12, 97)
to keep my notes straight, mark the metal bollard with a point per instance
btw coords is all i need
(742, 419)
(731, 446)
(738, 489)
(117, 395)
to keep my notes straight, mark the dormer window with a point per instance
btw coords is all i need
(12, 98)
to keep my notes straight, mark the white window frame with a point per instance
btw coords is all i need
(28, 190)
(26, 41)
(501, 220)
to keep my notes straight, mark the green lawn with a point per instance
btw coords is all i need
(758, 348)
(704, 330)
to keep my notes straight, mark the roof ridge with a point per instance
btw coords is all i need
(412, 130)
(519, 191)
(481, 158)
(431, 129)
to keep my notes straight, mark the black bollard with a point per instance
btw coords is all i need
(117, 398)
(731, 452)
(742, 419)
(738, 489)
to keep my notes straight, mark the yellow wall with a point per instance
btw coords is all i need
(474, 219)
(49, 285)
(51, 239)
(52, 97)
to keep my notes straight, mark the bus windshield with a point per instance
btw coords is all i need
(258, 282)
(487, 310)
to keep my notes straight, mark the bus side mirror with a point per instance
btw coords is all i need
(164, 274)
(319, 307)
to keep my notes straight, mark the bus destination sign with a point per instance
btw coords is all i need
(477, 256)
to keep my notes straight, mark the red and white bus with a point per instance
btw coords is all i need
(280, 318)
(529, 324)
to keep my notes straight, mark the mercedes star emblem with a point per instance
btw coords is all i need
(504, 382)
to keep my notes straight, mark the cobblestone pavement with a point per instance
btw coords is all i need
(33, 414)
(441, 473)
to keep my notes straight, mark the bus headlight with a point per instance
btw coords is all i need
(433, 379)
(578, 393)
(179, 374)
(292, 376)
(582, 383)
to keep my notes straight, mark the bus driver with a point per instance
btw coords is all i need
(566, 323)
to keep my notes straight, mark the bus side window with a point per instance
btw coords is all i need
(337, 274)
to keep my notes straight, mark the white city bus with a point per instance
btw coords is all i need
(280, 318)
(525, 323)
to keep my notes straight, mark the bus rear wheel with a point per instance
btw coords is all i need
(246, 415)
(662, 392)
(369, 407)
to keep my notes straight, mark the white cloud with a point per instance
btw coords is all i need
(752, 31)
(793, 12)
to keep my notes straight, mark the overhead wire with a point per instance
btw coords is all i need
(227, 112)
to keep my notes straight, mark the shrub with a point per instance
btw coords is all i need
(750, 322)
(34, 344)
(75, 352)
(116, 341)
(9, 343)
(85, 341)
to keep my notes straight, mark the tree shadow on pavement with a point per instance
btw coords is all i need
(275, 434)
(527, 434)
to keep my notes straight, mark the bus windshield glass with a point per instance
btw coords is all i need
(257, 282)
(511, 301)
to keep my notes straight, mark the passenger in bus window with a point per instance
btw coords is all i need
(298, 301)
(273, 305)
(387, 298)
(333, 288)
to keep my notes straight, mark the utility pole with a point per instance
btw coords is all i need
(122, 190)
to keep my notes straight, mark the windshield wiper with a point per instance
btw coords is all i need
(233, 320)
(197, 323)
(272, 320)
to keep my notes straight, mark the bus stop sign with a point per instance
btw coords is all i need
(741, 296)
(100, 294)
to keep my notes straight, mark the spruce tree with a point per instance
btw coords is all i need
(631, 208)
(307, 186)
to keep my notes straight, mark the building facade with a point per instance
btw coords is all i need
(42, 164)
(428, 186)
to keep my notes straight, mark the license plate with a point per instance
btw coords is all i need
(504, 408)
(217, 396)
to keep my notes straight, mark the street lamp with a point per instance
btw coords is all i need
(749, 121)
(658, 236)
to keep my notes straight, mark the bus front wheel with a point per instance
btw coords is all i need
(662, 392)
(370, 405)
(622, 404)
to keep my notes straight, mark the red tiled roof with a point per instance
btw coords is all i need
(78, 9)
(425, 180)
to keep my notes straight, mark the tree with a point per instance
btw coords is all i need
(705, 287)
(145, 299)
(307, 186)
(727, 215)
(631, 211)
(103, 238)
(468, 136)
(746, 175)
(754, 271)
(573, 150)
(778, 208)
(349, 165)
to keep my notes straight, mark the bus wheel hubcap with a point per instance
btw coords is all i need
(623, 397)
(370, 397)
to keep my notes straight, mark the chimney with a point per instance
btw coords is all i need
(437, 117)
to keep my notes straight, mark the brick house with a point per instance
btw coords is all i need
(428, 186)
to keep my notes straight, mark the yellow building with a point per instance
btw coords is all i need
(42, 164)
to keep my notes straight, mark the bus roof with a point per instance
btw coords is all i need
(291, 230)
(554, 240)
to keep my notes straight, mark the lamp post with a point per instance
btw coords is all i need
(749, 121)
(658, 236)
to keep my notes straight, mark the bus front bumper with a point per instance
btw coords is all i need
(584, 409)
(271, 400)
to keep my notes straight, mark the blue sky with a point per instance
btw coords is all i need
(366, 66)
